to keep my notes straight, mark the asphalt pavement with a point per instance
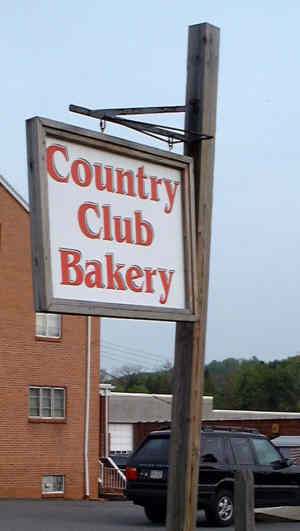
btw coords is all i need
(63, 515)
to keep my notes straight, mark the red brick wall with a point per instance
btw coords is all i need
(31, 450)
(270, 427)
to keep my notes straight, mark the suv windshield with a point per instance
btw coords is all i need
(266, 454)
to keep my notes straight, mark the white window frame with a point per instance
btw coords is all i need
(47, 317)
(49, 479)
(52, 390)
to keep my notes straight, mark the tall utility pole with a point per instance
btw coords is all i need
(201, 102)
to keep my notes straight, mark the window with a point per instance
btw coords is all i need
(242, 451)
(155, 450)
(53, 484)
(214, 446)
(266, 454)
(48, 325)
(121, 437)
(47, 402)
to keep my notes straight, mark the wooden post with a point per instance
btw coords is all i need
(201, 98)
(244, 518)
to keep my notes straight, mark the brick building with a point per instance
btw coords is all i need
(131, 416)
(49, 379)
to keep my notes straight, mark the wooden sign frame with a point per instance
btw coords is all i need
(38, 130)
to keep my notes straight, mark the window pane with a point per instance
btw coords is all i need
(215, 447)
(40, 324)
(52, 484)
(265, 452)
(53, 322)
(48, 325)
(242, 451)
(34, 402)
(47, 484)
(58, 483)
(46, 402)
(59, 403)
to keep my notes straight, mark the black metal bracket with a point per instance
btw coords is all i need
(171, 135)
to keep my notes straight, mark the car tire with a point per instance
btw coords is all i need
(155, 513)
(220, 511)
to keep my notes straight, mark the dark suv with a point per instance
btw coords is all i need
(223, 451)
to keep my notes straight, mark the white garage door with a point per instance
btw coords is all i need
(121, 437)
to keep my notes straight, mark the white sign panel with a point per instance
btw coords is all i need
(112, 227)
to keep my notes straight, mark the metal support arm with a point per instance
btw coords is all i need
(171, 135)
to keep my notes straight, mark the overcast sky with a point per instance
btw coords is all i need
(129, 54)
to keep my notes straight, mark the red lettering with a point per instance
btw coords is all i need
(149, 273)
(69, 263)
(121, 175)
(166, 284)
(114, 276)
(139, 225)
(85, 229)
(127, 237)
(171, 194)
(107, 223)
(86, 178)
(154, 185)
(51, 150)
(134, 273)
(117, 276)
(98, 178)
(141, 177)
(93, 278)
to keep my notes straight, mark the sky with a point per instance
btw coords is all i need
(130, 54)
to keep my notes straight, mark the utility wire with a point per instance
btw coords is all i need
(125, 361)
(131, 349)
(132, 355)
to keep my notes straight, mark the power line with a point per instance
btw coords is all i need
(131, 349)
(121, 360)
(132, 355)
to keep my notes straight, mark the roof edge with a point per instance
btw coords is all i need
(243, 415)
(147, 395)
(14, 193)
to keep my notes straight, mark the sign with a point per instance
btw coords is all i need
(112, 225)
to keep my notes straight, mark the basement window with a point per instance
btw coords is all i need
(53, 485)
(47, 402)
(48, 325)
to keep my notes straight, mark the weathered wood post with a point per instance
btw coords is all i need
(201, 101)
(244, 517)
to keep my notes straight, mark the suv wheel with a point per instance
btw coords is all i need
(155, 513)
(220, 511)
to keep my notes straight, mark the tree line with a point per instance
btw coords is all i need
(234, 383)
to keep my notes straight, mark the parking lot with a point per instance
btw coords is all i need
(61, 515)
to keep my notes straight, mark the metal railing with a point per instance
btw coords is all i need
(110, 476)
